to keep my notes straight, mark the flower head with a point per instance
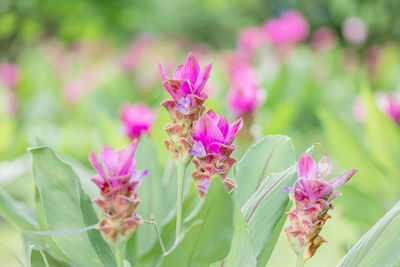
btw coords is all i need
(390, 105)
(212, 144)
(9, 74)
(324, 39)
(118, 180)
(186, 106)
(250, 39)
(136, 119)
(187, 82)
(290, 28)
(244, 94)
(354, 30)
(312, 194)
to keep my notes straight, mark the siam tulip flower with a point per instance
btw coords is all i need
(212, 145)
(290, 28)
(136, 119)
(118, 180)
(389, 104)
(324, 39)
(244, 94)
(186, 105)
(251, 39)
(312, 194)
(354, 30)
(9, 74)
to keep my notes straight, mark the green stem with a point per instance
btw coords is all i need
(181, 175)
(119, 250)
(300, 259)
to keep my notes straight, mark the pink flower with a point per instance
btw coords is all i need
(312, 194)
(324, 39)
(132, 56)
(244, 94)
(250, 39)
(354, 30)
(188, 81)
(9, 74)
(136, 119)
(118, 180)
(390, 105)
(290, 28)
(212, 144)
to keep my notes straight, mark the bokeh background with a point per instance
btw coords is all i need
(67, 66)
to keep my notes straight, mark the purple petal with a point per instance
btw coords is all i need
(307, 167)
(184, 105)
(198, 149)
(204, 185)
(287, 188)
(342, 179)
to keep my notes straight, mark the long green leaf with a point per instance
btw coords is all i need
(273, 153)
(209, 236)
(265, 210)
(66, 207)
(17, 212)
(379, 246)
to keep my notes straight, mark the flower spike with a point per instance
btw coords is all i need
(312, 194)
(118, 180)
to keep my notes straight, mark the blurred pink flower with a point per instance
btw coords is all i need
(250, 39)
(354, 30)
(118, 180)
(130, 59)
(136, 119)
(212, 144)
(324, 39)
(9, 74)
(313, 195)
(290, 28)
(388, 103)
(244, 94)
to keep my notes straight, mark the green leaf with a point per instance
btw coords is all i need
(242, 252)
(380, 245)
(273, 153)
(66, 207)
(265, 212)
(17, 212)
(209, 235)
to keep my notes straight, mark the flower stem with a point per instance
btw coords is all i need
(300, 259)
(181, 175)
(119, 250)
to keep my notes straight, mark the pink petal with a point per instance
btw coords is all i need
(110, 159)
(325, 166)
(213, 115)
(162, 72)
(178, 73)
(95, 163)
(223, 125)
(233, 131)
(307, 167)
(342, 179)
(202, 79)
(128, 159)
(190, 70)
(207, 132)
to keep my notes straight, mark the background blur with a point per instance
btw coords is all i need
(67, 66)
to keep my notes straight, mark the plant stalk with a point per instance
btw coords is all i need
(179, 202)
(119, 251)
(300, 259)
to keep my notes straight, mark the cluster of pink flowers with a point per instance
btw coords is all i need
(118, 180)
(312, 194)
(136, 119)
(389, 104)
(290, 28)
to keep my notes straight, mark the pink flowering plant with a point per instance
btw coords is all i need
(202, 197)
